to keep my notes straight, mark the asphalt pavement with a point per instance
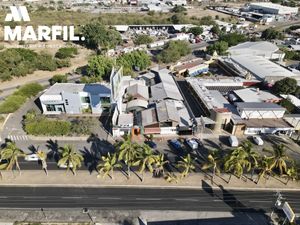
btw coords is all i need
(206, 199)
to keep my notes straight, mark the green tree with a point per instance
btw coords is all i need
(139, 60)
(178, 9)
(11, 154)
(159, 165)
(43, 158)
(220, 47)
(216, 29)
(70, 158)
(214, 162)
(128, 152)
(110, 162)
(173, 51)
(66, 52)
(233, 38)
(143, 39)
(264, 167)
(187, 164)
(285, 86)
(100, 67)
(279, 159)
(271, 33)
(59, 78)
(236, 162)
(146, 159)
(196, 30)
(98, 35)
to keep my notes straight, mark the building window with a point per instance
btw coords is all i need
(50, 108)
(66, 101)
(85, 100)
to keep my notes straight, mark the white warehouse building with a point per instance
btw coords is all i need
(271, 8)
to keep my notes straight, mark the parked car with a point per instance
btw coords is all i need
(65, 166)
(192, 143)
(175, 144)
(32, 157)
(151, 144)
(233, 141)
(257, 140)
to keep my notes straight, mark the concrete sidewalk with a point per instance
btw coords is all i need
(59, 178)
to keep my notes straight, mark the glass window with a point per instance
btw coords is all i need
(50, 108)
(85, 100)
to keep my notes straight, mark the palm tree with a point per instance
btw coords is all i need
(11, 153)
(128, 152)
(264, 167)
(146, 159)
(236, 162)
(251, 155)
(2, 167)
(278, 159)
(159, 165)
(171, 177)
(110, 162)
(292, 174)
(187, 164)
(43, 157)
(71, 158)
(214, 161)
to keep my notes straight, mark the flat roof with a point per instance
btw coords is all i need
(255, 95)
(259, 106)
(94, 89)
(261, 67)
(257, 46)
(266, 123)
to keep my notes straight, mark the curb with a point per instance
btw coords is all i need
(150, 187)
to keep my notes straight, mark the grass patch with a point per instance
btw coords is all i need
(19, 97)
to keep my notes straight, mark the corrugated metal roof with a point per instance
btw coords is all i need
(261, 67)
(259, 106)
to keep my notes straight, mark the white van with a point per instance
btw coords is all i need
(233, 141)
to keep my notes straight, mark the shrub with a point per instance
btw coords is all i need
(44, 126)
(18, 98)
(61, 63)
(29, 90)
(67, 52)
(12, 103)
(59, 78)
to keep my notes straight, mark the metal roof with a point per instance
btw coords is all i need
(138, 90)
(166, 111)
(250, 47)
(261, 67)
(255, 95)
(167, 89)
(259, 106)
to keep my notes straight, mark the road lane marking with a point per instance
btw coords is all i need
(33, 197)
(72, 197)
(186, 199)
(148, 199)
(3, 196)
(109, 198)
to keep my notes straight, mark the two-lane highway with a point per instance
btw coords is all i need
(143, 199)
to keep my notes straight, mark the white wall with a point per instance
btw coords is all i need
(261, 114)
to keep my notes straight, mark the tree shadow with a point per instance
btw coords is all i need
(54, 150)
(90, 159)
(100, 147)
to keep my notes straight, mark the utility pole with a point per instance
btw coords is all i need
(279, 202)
(86, 211)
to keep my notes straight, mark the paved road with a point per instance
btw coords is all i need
(143, 199)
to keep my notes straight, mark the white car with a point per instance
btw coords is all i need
(257, 140)
(233, 141)
(32, 157)
(192, 144)
(65, 166)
